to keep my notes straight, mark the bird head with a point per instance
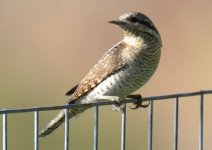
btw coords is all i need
(136, 23)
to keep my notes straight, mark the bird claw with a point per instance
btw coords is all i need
(140, 105)
(118, 106)
(139, 102)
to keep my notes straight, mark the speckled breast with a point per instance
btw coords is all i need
(128, 79)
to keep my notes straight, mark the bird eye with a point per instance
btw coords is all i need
(136, 20)
(133, 19)
(141, 21)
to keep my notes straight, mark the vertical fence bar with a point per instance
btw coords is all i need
(176, 123)
(201, 123)
(150, 125)
(4, 131)
(123, 129)
(36, 123)
(96, 127)
(66, 144)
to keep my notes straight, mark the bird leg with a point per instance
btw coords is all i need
(139, 101)
(116, 107)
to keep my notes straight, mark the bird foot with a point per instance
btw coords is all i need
(116, 107)
(139, 103)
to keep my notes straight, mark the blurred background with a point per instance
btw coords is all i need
(47, 46)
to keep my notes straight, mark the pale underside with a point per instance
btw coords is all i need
(121, 71)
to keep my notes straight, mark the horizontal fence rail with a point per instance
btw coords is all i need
(102, 103)
(36, 110)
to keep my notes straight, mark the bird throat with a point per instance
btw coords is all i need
(134, 41)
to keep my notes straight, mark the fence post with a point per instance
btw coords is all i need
(123, 129)
(36, 123)
(4, 131)
(201, 123)
(176, 123)
(96, 126)
(150, 125)
(66, 144)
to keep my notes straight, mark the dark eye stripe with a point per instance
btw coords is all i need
(133, 19)
(136, 20)
(146, 23)
(142, 21)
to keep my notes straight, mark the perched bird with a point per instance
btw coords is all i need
(123, 69)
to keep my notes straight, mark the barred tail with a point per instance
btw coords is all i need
(58, 120)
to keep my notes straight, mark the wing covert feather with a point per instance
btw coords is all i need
(109, 63)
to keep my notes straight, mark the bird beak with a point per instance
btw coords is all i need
(117, 22)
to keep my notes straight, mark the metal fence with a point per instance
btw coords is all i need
(176, 97)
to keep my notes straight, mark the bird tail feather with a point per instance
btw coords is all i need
(58, 120)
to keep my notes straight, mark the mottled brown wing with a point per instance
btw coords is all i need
(110, 62)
